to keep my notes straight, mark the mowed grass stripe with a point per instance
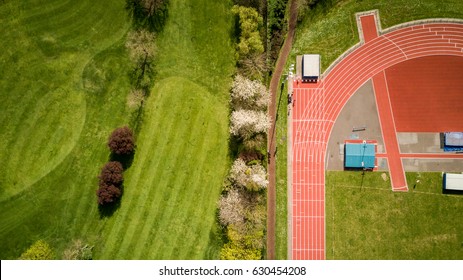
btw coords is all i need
(97, 132)
(135, 239)
(64, 24)
(199, 204)
(133, 181)
(44, 50)
(202, 204)
(135, 196)
(54, 14)
(133, 175)
(183, 192)
(61, 205)
(38, 7)
(159, 185)
(177, 53)
(8, 159)
(164, 179)
(50, 123)
(43, 121)
(165, 201)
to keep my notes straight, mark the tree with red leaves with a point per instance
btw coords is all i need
(121, 141)
(111, 174)
(108, 194)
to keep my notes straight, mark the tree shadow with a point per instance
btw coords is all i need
(234, 146)
(108, 210)
(142, 18)
(125, 160)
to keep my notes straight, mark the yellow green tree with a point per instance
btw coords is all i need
(40, 250)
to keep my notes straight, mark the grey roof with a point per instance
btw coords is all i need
(453, 181)
(311, 65)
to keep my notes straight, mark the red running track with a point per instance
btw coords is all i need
(317, 106)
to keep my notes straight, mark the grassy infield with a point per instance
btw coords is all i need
(371, 222)
(63, 89)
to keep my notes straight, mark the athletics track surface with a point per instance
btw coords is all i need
(317, 106)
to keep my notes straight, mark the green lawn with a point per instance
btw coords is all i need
(330, 31)
(171, 190)
(366, 220)
(281, 176)
(63, 89)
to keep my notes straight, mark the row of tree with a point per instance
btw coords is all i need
(121, 143)
(242, 210)
(148, 17)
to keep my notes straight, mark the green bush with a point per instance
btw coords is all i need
(250, 22)
(232, 251)
(276, 27)
(40, 250)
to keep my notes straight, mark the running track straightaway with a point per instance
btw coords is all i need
(317, 106)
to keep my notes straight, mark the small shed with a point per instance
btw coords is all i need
(310, 68)
(453, 182)
(359, 155)
(454, 139)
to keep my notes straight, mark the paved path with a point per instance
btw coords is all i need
(388, 130)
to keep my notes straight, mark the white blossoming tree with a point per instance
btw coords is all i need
(250, 95)
(231, 208)
(253, 178)
(246, 123)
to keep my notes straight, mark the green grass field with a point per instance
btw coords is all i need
(365, 220)
(330, 31)
(64, 86)
(281, 246)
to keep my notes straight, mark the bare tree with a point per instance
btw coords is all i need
(145, 8)
(151, 6)
(78, 250)
(141, 48)
(135, 98)
(253, 66)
